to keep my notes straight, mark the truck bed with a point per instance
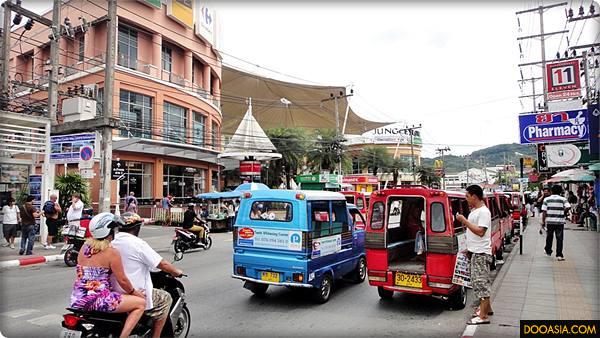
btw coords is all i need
(407, 265)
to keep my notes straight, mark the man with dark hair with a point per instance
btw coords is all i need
(28, 215)
(479, 246)
(553, 218)
(540, 202)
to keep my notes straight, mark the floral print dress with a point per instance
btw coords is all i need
(92, 289)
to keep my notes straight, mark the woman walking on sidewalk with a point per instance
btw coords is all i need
(10, 219)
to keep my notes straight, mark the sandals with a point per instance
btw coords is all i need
(476, 314)
(477, 321)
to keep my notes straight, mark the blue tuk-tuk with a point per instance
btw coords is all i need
(304, 239)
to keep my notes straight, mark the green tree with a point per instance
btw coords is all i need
(396, 166)
(292, 144)
(427, 176)
(328, 150)
(69, 184)
(375, 158)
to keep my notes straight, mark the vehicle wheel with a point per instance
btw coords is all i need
(385, 294)
(258, 289)
(458, 300)
(182, 327)
(70, 257)
(359, 274)
(208, 243)
(322, 293)
(178, 246)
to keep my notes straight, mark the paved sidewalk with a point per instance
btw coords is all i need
(535, 286)
(8, 254)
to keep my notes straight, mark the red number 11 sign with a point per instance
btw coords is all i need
(563, 80)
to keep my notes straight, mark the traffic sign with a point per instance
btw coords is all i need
(118, 169)
(86, 173)
(86, 153)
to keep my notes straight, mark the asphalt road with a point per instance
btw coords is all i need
(34, 298)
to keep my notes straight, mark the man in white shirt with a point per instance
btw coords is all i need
(76, 209)
(138, 260)
(479, 245)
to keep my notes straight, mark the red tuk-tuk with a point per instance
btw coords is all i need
(500, 218)
(519, 210)
(401, 216)
(358, 199)
(506, 222)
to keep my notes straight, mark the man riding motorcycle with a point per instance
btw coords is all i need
(188, 222)
(138, 260)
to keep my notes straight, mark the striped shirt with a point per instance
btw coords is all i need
(555, 207)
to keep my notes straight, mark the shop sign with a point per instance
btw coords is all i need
(594, 122)
(190, 170)
(250, 168)
(66, 148)
(542, 158)
(181, 11)
(567, 154)
(360, 179)
(151, 3)
(393, 133)
(562, 126)
(563, 79)
(528, 162)
(118, 170)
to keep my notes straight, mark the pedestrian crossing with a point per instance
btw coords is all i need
(32, 316)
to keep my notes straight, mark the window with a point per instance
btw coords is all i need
(438, 217)
(377, 215)
(320, 220)
(339, 217)
(81, 46)
(359, 203)
(167, 59)
(198, 129)
(215, 180)
(127, 47)
(493, 207)
(181, 181)
(456, 207)
(136, 114)
(404, 218)
(174, 122)
(214, 135)
(271, 211)
(358, 220)
(350, 199)
(138, 179)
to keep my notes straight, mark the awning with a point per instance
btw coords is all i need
(285, 104)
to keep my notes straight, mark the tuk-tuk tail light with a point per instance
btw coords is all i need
(247, 195)
(298, 277)
(300, 196)
(240, 270)
(440, 285)
(437, 193)
(377, 276)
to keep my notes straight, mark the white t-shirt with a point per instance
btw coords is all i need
(138, 260)
(75, 210)
(483, 218)
(10, 214)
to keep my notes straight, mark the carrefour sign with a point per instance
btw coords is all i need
(554, 127)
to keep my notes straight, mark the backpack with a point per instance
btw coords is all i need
(49, 208)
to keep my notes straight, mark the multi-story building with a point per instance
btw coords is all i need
(167, 88)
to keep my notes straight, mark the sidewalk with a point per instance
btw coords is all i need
(8, 254)
(535, 286)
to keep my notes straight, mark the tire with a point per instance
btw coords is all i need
(323, 292)
(181, 328)
(458, 300)
(385, 294)
(70, 257)
(258, 289)
(208, 243)
(178, 246)
(359, 274)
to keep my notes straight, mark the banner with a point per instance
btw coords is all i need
(270, 238)
(554, 127)
(326, 246)
(542, 158)
(65, 148)
(181, 11)
(206, 23)
(462, 267)
(151, 3)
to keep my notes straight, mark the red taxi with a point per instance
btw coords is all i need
(359, 199)
(501, 221)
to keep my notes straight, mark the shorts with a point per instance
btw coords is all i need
(161, 300)
(480, 274)
(10, 230)
(52, 225)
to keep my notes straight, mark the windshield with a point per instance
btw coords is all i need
(271, 211)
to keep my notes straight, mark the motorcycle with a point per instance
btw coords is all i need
(75, 235)
(79, 323)
(184, 240)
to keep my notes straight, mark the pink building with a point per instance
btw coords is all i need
(167, 89)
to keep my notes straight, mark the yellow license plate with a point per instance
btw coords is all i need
(405, 279)
(269, 276)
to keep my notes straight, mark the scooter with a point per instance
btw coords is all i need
(72, 248)
(184, 240)
(78, 323)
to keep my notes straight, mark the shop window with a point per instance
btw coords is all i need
(181, 181)
(198, 129)
(136, 114)
(215, 181)
(174, 123)
(138, 179)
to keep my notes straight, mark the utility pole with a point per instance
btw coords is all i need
(542, 36)
(467, 158)
(107, 108)
(533, 94)
(5, 53)
(53, 76)
(441, 151)
(335, 99)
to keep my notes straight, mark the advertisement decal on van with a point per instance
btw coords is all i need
(270, 239)
(326, 246)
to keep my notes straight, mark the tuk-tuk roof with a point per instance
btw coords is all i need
(309, 195)
(417, 189)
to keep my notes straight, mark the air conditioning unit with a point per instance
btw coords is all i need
(91, 91)
(78, 109)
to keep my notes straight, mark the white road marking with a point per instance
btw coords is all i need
(47, 320)
(469, 331)
(19, 313)
(228, 240)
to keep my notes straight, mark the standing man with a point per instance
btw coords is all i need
(75, 210)
(479, 246)
(553, 218)
(28, 215)
(52, 212)
(11, 218)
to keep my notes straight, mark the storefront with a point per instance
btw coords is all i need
(183, 181)
(329, 182)
(137, 179)
(362, 183)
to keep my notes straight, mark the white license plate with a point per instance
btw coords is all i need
(66, 333)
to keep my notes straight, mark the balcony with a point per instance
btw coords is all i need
(135, 64)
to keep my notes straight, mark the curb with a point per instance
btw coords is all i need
(470, 330)
(29, 261)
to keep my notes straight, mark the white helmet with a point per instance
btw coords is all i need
(101, 224)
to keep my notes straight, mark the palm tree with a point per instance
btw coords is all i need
(397, 165)
(328, 152)
(427, 176)
(375, 158)
(69, 184)
(291, 143)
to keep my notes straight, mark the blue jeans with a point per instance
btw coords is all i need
(27, 236)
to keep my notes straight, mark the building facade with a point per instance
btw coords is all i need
(167, 89)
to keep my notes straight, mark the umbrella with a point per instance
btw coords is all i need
(251, 186)
(572, 173)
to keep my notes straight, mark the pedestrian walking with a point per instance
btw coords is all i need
(553, 219)
(479, 247)
(11, 218)
(572, 199)
(166, 202)
(52, 212)
(539, 203)
(131, 203)
(28, 215)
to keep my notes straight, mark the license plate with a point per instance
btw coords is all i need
(66, 333)
(405, 279)
(269, 276)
